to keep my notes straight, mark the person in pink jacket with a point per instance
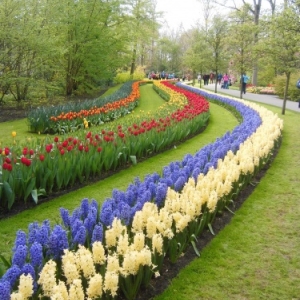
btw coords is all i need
(225, 80)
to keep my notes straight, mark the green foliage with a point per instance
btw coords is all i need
(123, 77)
(266, 75)
(293, 91)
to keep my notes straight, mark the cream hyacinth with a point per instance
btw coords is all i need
(70, 266)
(112, 234)
(60, 292)
(76, 290)
(151, 227)
(25, 288)
(113, 263)
(94, 289)
(98, 253)
(47, 277)
(138, 222)
(85, 261)
(111, 283)
(181, 221)
(134, 259)
(123, 244)
(141, 217)
(138, 242)
(157, 244)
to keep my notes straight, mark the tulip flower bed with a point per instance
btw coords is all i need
(102, 252)
(53, 164)
(73, 116)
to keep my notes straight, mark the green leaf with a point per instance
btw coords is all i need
(34, 196)
(229, 210)
(5, 261)
(210, 228)
(29, 188)
(194, 237)
(9, 194)
(195, 248)
(36, 193)
(133, 159)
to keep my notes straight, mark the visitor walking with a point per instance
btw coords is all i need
(206, 79)
(244, 81)
(219, 78)
(199, 78)
(225, 81)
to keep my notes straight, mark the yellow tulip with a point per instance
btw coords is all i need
(13, 134)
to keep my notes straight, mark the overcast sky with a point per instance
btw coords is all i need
(185, 12)
(189, 12)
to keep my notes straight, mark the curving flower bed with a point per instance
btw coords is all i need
(99, 253)
(73, 116)
(51, 164)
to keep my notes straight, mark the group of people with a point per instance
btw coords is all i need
(224, 80)
(162, 75)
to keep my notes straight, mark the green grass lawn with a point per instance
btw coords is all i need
(256, 256)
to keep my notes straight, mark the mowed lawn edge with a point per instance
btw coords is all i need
(103, 189)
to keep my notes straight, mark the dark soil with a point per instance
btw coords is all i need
(11, 113)
(169, 271)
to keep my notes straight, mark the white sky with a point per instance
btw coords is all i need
(185, 12)
(189, 12)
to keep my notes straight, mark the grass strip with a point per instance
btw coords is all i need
(103, 189)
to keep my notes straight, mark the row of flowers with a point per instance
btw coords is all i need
(72, 120)
(51, 164)
(100, 253)
(82, 114)
(261, 90)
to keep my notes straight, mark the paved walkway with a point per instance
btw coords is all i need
(267, 99)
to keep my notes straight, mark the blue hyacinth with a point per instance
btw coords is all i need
(20, 255)
(64, 213)
(33, 228)
(21, 239)
(91, 220)
(12, 275)
(161, 193)
(58, 242)
(179, 183)
(80, 236)
(97, 235)
(106, 214)
(36, 254)
(84, 207)
(5, 290)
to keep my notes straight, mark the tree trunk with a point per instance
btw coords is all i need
(286, 89)
(133, 62)
(256, 22)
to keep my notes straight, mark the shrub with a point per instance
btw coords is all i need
(293, 91)
(122, 77)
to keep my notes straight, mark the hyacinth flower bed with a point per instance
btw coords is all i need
(51, 164)
(114, 250)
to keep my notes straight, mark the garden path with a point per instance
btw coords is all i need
(263, 98)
